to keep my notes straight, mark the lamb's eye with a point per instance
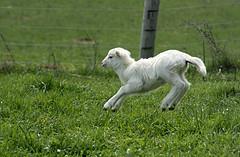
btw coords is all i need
(110, 57)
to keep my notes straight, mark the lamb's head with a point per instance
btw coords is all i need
(117, 57)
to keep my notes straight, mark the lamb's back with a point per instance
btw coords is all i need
(152, 68)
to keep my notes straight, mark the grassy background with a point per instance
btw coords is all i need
(60, 114)
(68, 29)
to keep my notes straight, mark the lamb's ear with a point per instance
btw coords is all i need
(118, 53)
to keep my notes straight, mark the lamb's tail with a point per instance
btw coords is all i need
(199, 64)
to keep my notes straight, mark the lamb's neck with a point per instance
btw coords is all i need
(120, 68)
(120, 72)
(129, 61)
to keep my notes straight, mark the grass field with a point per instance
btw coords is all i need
(59, 112)
(46, 115)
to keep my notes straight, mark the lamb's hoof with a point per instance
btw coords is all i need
(107, 106)
(171, 108)
(114, 110)
(163, 109)
(105, 109)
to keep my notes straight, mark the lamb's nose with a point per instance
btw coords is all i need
(103, 64)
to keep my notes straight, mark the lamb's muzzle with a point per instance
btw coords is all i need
(103, 64)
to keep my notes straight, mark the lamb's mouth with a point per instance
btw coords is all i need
(104, 65)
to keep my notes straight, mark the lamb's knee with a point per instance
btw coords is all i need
(187, 85)
(180, 86)
(184, 86)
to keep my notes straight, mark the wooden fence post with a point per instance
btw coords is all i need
(149, 25)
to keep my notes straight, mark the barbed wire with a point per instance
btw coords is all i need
(71, 9)
(66, 45)
(63, 45)
(59, 62)
(74, 28)
(229, 4)
(79, 28)
(226, 4)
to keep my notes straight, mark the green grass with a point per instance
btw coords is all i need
(46, 115)
(60, 114)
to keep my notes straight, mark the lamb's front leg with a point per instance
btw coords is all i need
(118, 104)
(114, 99)
(130, 88)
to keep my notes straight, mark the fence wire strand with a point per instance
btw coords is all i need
(67, 45)
(228, 4)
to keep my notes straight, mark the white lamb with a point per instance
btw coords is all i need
(148, 74)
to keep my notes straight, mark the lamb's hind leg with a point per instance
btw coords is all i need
(166, 100)
(175, 94)
(178, 97)
(181, 94)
